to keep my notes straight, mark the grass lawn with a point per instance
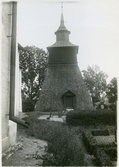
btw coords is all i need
(64, 142)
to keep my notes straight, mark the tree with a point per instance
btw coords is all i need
(34, 63)
(112, 92)
(95, 81)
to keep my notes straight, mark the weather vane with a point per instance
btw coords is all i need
(62, 6)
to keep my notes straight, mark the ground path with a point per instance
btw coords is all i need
(28, 150)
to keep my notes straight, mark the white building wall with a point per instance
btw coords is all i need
(18, 101)
(6, 50)
(9, 128)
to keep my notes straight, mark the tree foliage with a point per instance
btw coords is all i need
(95, 81)
(112, 91)
(34, 62)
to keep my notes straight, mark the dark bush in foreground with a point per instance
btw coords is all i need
(64, 143)
(87, 118)
(102, 157)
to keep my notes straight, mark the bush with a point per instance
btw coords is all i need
(112, 153)
(104, 153)
(65, 146)
(102, 157)
(89, 141)
(27, 105)
(64, 142)
(87, 118)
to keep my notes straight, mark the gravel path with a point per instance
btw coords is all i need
(28, 151)
(53, 118)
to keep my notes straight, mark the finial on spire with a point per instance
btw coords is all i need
(61, 7)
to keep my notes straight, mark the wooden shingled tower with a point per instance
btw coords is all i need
(63, 87)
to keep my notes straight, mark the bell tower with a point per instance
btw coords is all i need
(63, 87)
(62, 51)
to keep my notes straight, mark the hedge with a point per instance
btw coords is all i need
(89, 141)
(93, 117)
(112, 153)
(102, 157)
(100, 132)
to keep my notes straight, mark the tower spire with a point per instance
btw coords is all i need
(62, 17)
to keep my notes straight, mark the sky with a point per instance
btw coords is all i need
(94, 27)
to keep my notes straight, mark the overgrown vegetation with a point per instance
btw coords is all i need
(65, 143)
(94, 118)
(70, 145)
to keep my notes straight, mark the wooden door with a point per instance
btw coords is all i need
(69, 102)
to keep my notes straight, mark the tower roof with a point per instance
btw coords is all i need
(62, 26)
(62, 35)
